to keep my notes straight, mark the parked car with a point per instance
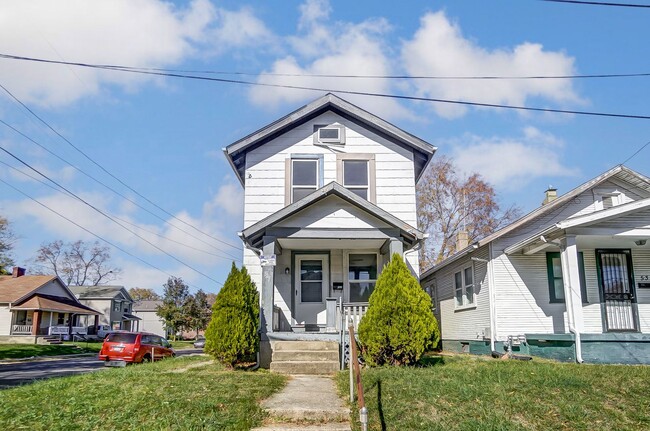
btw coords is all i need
(199, 343)
(103, 331)
(121, 348)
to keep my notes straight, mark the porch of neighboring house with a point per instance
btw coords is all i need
(51, 319)
(598, 273)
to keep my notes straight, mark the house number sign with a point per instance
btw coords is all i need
(645, 282)
(267, 260)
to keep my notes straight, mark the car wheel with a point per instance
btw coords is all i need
(146, 358)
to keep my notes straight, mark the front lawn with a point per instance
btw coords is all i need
(174, 394)
(470, 393)
(16, 351)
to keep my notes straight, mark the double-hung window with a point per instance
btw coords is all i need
(356, 172)
(304, 176)
(464, 287)
(556, 280)
(362, 276)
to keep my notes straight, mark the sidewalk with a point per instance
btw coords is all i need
(306, 403)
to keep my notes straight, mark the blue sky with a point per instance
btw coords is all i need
(163, 136)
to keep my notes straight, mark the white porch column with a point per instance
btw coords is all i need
(571, 281)
(268, 286)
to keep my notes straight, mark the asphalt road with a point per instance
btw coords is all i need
(17, 373)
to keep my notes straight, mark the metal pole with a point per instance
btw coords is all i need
(363, 411)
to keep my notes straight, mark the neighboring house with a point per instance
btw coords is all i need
(33, 306)
(150, 321)
(329, 197)
(570, 280)
(114, 303)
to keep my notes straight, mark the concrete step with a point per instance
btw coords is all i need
(305, 345)
(305, 355)
(342, 426)
(305, 367)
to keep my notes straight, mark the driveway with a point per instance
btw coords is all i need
(17, 373)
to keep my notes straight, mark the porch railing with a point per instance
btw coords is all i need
(21, 329)
(64, 330)
(351, 314)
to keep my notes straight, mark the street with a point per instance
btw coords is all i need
(23, 372)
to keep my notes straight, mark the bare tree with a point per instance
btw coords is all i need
(7, 239)
(449, 203)
(77, 263)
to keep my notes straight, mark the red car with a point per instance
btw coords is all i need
(120, 348)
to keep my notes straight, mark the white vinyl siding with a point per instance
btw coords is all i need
(5, 319)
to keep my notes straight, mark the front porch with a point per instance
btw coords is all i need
(48, 316)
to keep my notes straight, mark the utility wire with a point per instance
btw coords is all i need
(229, 256)
(117, 218)
(359, 93)
(636, 152)
(599, 3)
(27, 165)
(89, 231)
(110, 174)
(325, 75)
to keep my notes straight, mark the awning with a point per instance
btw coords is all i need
(127, 316)
(55, 304)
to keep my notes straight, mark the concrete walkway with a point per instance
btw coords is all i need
(306, 403)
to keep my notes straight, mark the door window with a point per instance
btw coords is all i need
(362, 276)
(311, 281)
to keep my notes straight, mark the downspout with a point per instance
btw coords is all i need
(493, 302)
(568, 300)
(258, 252)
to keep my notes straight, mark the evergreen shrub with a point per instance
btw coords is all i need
(399, 325)
(232, 334)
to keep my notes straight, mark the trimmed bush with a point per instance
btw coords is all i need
(399, 325)
(232, 334)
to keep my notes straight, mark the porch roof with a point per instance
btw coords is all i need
(541, 239)
(422, 150)
(53, 303)
(254, 235)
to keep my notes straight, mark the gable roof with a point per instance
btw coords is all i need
(619, 172)
(100, 292)
(254, 233)
(149, 305)
(236, 152)
(54, 303)
(15, 288)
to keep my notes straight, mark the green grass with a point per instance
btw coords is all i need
(142, 397)
(16, 351)
(182, 344)
(470, 393)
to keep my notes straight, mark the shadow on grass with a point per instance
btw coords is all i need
(430, 361)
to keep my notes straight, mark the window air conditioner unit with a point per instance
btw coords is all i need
(329, 135)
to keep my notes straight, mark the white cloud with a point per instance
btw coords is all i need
(439, 48)
(512, 163)
(145, 33)
(323, 47)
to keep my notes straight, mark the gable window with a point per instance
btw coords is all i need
(464, 287)
(362, 276)
(329, 134)
(304, 175)
(604, 199)
(555, 277)
(356, 172)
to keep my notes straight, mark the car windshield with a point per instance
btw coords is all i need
(118, 337)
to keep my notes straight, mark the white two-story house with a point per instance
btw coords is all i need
(329, 198)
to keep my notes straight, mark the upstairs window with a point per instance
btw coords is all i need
(355, 177)
(356, 172)
(304, 178)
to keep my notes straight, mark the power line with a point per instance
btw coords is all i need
(110, 174)
(230, 256)
(636, 152)
(89, 231)
(105, 214)
(326, 75)
(117, 218)
(599, 3)
(357, 93)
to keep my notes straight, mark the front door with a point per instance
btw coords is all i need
(311, 288)
(617, 289)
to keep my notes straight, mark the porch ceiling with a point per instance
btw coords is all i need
(330, 244)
